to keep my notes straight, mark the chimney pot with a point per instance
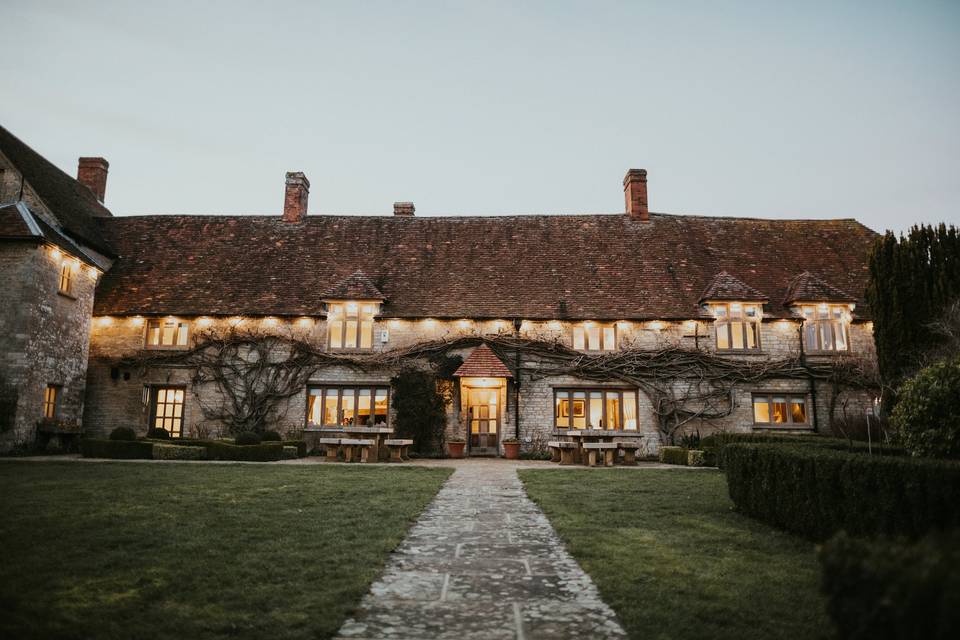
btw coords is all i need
(295, 197)
(635, 194)
(403, 209)
(92, 173)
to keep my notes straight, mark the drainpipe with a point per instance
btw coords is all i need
(517, 323)
(813, 382)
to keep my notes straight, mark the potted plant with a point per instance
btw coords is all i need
(511, 448)
(455, 447)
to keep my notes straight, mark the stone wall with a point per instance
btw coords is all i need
(44, 335)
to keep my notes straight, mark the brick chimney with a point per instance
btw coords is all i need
(92, 173)
(403, 208)
(635, 193)
(295, 197)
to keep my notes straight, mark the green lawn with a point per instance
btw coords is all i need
(121, 550)
(674, 560)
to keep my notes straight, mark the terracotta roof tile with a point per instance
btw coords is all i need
(601, 266)
(356, 286)
(807, 287)
(483, 363)
(727, 287)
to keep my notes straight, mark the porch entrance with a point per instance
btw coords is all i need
(483, 419)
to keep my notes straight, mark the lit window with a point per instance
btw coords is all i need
(825, 327)
(776, 410)
(166, 410)
(737, 326)
(66, 278)
(611, 409)
(591, 336)
(167, 334)
(51, 396)
(347, 406)
(350, 325)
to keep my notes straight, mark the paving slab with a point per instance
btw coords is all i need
(482, 562)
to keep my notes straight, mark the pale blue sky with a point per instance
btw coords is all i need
(801, 109)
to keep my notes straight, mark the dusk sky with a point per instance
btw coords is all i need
(780, 110)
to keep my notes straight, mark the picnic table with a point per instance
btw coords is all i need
(602, 437)
(378, 451)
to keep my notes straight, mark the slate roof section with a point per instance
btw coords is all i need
(73, 204)
(483, 363)
(727, 287)
(807, 287)
(356, 286)
(600, 266)
(17, 222)
(13, 223)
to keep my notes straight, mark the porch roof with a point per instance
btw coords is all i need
(483, 363)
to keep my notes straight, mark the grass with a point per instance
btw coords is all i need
(125, 550)
(673, 559)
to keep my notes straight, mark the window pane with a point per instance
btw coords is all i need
(579, 409)
(153, 333)
(630, 410)
(609, 339)
(350, 337)
(314, 403)
(810, 336)
(347, 407)
(839, 334)
(562, 409)
(826, 336)
(182, 334)
(753, 330)
(366, 334)
(167, 337)
(613, 410)
(330, 408)
(336, 334)
(798, 410)
(723, 339)
(363, 408)
(380, 408)
(779, 410)
(736, 330)
(578, 337)
(761, 410)
(593, 335)
(596, 410)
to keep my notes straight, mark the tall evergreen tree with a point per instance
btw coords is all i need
(913, 279)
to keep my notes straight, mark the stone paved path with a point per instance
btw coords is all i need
(482, 562)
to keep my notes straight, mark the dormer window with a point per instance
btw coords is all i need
(350, 324)
(737, 326)
(593, 336)
(825, 327)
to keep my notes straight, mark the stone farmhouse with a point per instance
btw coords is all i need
(649, 324)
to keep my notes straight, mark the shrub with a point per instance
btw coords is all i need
(178, 452)
(419, 399)
(123, 433)
(289, 453)
(817, 491)
(247, 438)
(714, 444)
(673, 455)
(116, 449)
(300, 445)
(157, 433)
(271, 436)
(880, 589)
(695, 458)
(926, 420)
(268, 452)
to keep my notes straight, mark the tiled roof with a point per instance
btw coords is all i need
(12, 222)
(483, 363)
(807, 287)
(727, 287)
(74, 206)
(17, 222)
(602, 266)
(356, 286)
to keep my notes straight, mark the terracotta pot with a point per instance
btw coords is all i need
(456, 449)
(511, 450)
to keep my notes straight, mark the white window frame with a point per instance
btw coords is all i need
(737, 319)
(180, 337)
(360, 315)
(789, 399)
(823, 323)
(595, 336)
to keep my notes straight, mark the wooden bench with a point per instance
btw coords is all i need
(629, 449)
(607, 449)
(562, 452)
(332, 446)
(398, 448)
(356, 450)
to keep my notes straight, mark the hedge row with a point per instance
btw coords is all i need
(116, 449)
(878, 589)
(673, 455)
(817, 491)
(177, 452)
(714, 444)
(265, 452)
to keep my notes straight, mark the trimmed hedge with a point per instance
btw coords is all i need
(178, 452)
(673, 455)
(878, 589)
(817, 491)
(123, 433)
(301, 446)
(714, 444)
(271, 436)
(247, 438)
(696, 458)
(116, 449)
(266, 452)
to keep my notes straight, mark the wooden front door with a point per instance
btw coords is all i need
(483, 413)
